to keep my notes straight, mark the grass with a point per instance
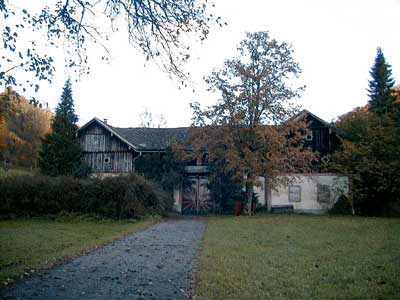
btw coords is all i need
(300, 257)
(27, 245)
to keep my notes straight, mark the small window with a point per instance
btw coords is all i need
(323, 193)
(106, 160)
(309, 135)
(294, 193)
(325, 159)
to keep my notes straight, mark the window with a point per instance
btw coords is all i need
(309, 135)
(323, 193)
(294, 193)
(325, 159)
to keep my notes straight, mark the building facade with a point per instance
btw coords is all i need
(112, 151)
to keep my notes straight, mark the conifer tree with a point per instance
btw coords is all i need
(61, 153)
(381, 85)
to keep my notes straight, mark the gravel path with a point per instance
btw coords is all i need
(158, 263)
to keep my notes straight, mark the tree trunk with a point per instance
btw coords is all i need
(249, 196)
(350, 191)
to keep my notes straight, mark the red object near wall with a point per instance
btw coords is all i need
(237, 208)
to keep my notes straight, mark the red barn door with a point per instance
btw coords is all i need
(196, 198)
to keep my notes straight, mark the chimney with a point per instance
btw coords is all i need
(105, 121)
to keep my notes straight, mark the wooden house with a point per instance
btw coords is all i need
(112, 151)
(321, 136)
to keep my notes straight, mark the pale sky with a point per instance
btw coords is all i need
(335, 43)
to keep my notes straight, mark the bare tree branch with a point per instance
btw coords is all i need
(155, 27)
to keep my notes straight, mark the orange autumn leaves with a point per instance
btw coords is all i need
(22, 126)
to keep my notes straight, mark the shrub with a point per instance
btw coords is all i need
(113, 197)
(341, 207)
(392, 209)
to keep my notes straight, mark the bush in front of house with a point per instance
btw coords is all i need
(114, 197)
(342, 206)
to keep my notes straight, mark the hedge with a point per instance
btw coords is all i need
(112, 197)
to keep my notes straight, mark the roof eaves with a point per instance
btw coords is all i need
(152, 150)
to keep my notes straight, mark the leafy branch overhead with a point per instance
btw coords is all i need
(159, 29)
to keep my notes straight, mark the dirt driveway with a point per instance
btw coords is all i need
(158, 263)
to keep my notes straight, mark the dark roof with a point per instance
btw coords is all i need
(158, 139)
(303, 116)
(153, 139)
(144, 139)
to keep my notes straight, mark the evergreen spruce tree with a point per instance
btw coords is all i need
(381, 85)
(61, 153)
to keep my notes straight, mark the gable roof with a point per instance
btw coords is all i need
(158, 139)
(107, 128)
(304, 114)
(143, 139)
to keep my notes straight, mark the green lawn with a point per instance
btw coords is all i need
(300, 257)
(30, 244)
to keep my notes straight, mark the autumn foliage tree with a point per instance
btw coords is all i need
(245, 131)
(147, 120)
(22, 126)
(3, 126)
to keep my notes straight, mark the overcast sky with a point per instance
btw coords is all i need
(335, 43)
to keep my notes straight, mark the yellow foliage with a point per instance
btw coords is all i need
(396, 91)
(22, 126)
(3, 132)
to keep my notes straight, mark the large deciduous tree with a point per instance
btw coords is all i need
(61, 152)
(3, 125)
(245, 131)
(159, 29)
(22, 126)
(147, 120)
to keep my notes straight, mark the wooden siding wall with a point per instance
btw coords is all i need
(101, 143)
(105, 153)
(324, 140)
(109, 162)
